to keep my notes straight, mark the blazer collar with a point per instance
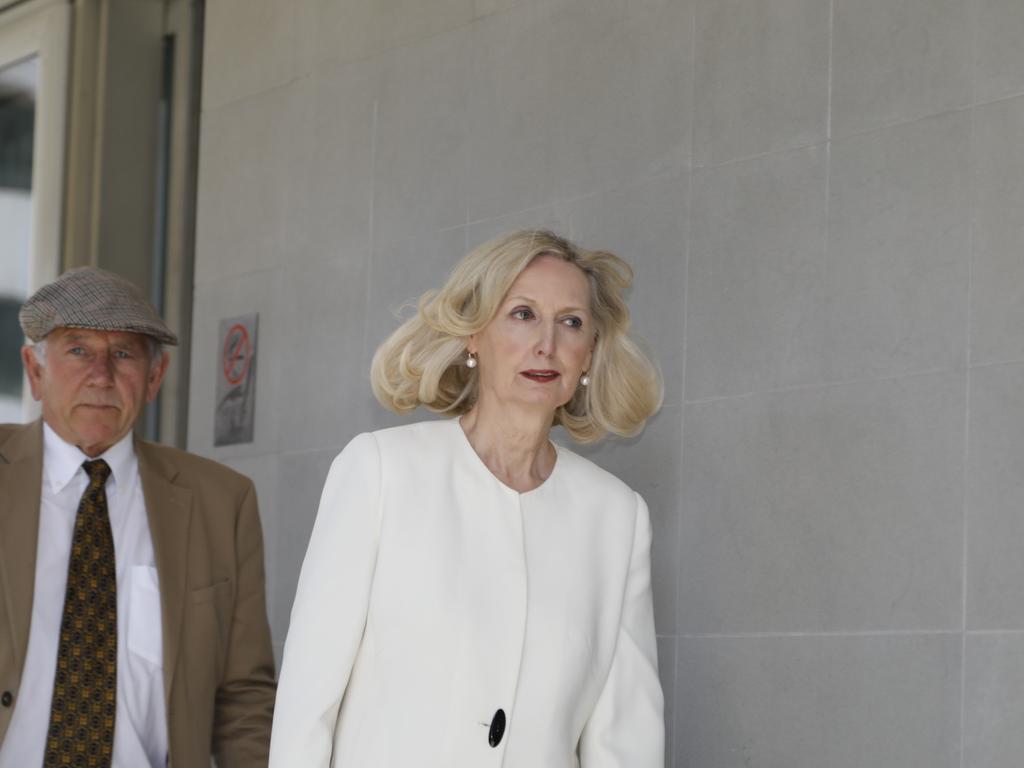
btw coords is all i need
(21, 479)
(169, 511)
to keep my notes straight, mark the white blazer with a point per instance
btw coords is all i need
(432, 596)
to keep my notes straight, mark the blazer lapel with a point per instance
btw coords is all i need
(21, 478)
(169, 510)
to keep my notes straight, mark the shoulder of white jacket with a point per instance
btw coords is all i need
(428, 434)
(585, 474)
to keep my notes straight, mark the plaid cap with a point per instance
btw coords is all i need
(89, 297)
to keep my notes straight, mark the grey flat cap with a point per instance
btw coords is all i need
(89, 297)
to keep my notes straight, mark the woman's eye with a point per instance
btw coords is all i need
(573, 322)
(522, 313)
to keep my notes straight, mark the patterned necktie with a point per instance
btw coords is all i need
(81, 731)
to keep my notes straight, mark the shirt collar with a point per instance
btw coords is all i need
(61, 460)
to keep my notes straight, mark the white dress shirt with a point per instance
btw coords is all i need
(140, 727)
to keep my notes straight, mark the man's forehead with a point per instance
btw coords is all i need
(114, 338)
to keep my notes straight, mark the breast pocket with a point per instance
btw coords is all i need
(144, 621)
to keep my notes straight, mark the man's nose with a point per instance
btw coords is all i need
(101, 368)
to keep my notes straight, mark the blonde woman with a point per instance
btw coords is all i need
(474, 595)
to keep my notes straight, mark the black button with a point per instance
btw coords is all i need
(7, 698)
(497, 728)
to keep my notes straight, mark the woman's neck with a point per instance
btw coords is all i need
(512, 443)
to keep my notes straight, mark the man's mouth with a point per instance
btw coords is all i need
(540, 376)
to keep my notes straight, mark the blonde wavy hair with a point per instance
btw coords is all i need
(423, 361)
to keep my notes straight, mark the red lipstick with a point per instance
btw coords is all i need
(541, 376)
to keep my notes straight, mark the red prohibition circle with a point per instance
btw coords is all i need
(237, 354)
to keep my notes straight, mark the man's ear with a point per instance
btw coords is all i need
(156, 377)
(34, 371)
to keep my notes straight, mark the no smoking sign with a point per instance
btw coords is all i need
(236, 381)
(237, 354)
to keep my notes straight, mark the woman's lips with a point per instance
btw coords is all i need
(541, 376)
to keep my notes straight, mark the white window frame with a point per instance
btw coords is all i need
(42, 28)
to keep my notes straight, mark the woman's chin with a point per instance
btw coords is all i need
(540, 402)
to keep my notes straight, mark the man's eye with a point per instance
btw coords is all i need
(76, 351)
(122, 355)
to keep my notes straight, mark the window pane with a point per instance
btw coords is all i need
(18, 88)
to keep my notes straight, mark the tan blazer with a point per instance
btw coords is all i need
(218, 663)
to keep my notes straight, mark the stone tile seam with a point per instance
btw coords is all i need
(966, 456)
(253, 95)
(369, 280)
(859, 633)
(339, 62)
(906, 121)
(996, 364)
(831, 49)
(999, 99)
(829, 634)
(688, 251)
(555, 202)
(828, 385)
(210, 109)
(840, 139)
(233, 276)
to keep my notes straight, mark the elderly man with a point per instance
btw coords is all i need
(133, 628)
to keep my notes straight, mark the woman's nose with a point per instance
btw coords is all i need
(545, 346)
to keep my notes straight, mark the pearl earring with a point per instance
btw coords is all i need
(585, 380)
(470, 360)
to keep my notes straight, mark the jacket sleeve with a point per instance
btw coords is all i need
(245, 695)
(329, 613)
(626, 728)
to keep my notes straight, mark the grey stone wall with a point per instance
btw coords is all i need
(823, 203)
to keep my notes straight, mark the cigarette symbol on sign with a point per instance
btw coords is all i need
(237, 354)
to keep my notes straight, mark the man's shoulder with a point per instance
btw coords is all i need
(190, 467)
(6, 430)
(20, 441)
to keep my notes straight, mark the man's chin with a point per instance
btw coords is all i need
(92, 450)
(93, 442)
